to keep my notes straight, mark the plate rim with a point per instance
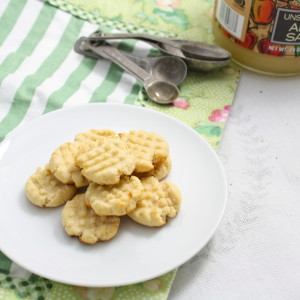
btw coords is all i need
(11, 135)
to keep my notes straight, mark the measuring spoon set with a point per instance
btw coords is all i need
(160, 75)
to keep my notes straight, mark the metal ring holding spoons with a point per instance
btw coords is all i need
(162, 92)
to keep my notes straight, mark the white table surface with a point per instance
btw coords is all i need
(255, 252)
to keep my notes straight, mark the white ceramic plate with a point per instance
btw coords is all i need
(34, 238)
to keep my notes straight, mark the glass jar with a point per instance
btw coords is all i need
(262, 35)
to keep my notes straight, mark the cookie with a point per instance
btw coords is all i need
(160, 171)
(114, 200)
(87, 140)
(45, 190)
(160, 201)
(107, 162)
(148, 148)
(81, 221)
(93, 135)
(62, 165)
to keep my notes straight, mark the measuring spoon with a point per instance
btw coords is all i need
(160, 91)
(194, 64)
(165, 68)
(190, 49)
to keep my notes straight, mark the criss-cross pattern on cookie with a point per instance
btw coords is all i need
(114, 200)
(160, 201)
(45, 190)
(81, 221)
(106, 163)
(148, 148)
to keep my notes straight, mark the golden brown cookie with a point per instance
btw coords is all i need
(114, 200)
(45, 190)
(93, 135)
(81, 221)
(160, 201)
(107, 162)
(148, 148)
(92, 138)
(160, 171)
(62, 165)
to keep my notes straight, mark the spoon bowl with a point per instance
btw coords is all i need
(169, 68)
(194, 64)
(162, 92)
(165, 68)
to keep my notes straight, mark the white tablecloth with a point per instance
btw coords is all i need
(255, 253)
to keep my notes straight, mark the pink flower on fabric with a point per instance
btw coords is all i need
(181, 103)
(167, 5)
(220, 115)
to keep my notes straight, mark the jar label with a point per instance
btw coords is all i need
(271, 27)
(286, 27)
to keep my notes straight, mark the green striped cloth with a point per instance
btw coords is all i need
(40, 72)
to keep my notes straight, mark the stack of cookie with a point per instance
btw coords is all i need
(102, 176)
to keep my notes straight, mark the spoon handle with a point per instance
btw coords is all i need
(121, 60)
(141, 61)
(153, 40)
(146, 37)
